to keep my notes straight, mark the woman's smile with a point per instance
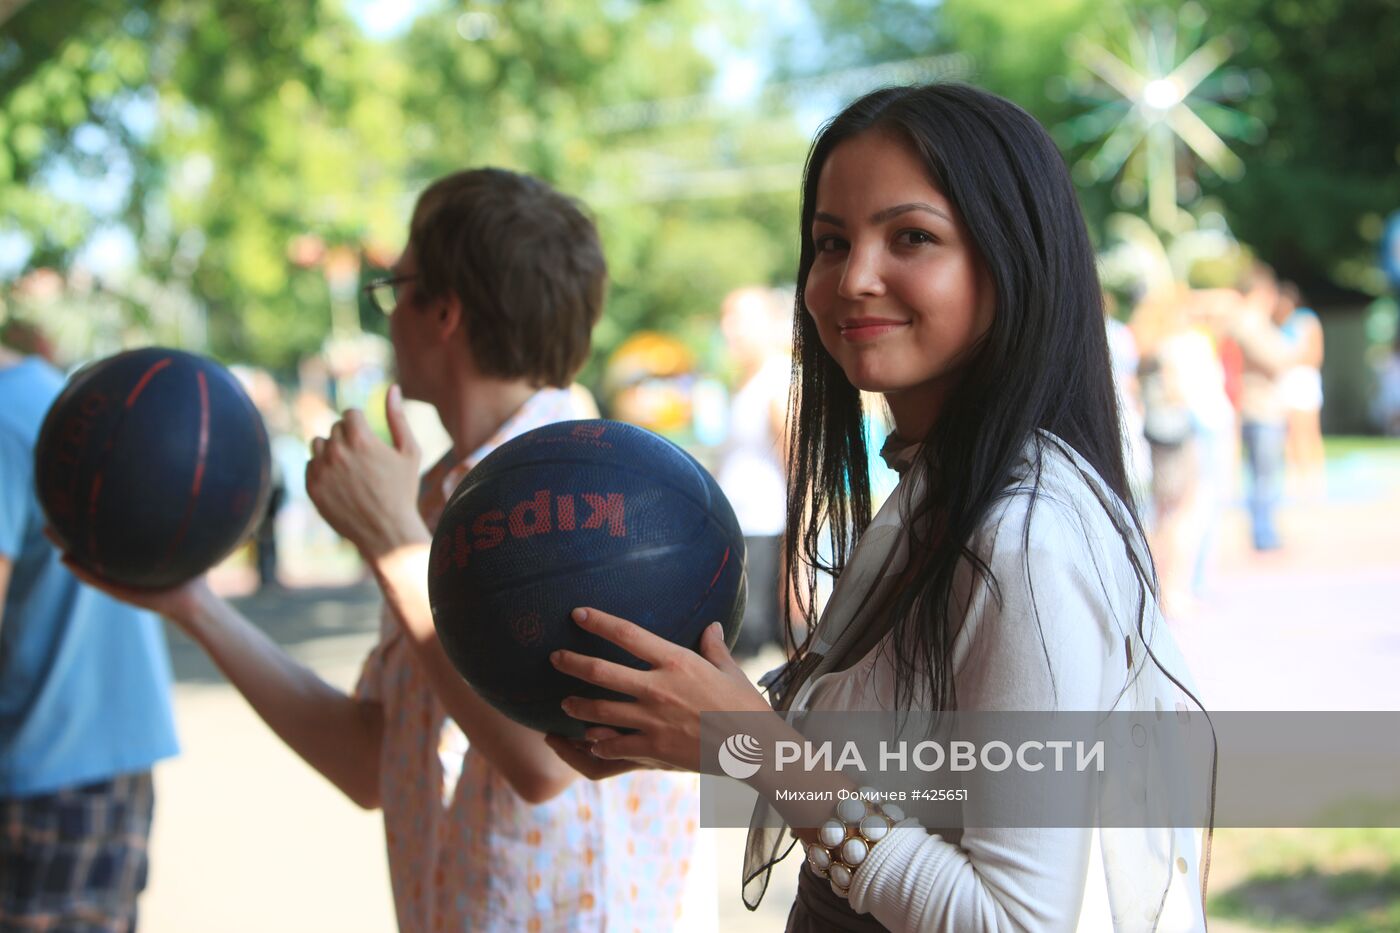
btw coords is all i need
(866, 329)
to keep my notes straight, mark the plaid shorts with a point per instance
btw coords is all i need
(75, 861)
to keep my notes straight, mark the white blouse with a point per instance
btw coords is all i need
(1087, 594)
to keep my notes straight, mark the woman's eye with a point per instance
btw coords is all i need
(915, 237)
(828, 244)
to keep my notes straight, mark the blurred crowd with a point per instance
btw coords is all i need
(1221, 392)
(1219, 386)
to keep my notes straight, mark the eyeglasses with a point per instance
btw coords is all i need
(384, 293)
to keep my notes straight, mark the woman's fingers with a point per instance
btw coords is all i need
(668, 698)
(599, 672)
(598, 733)
(714, 650)
(608, 712)
(578, 756)
(651, 648)
(631, 746)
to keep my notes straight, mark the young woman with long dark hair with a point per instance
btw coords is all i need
(944, 264)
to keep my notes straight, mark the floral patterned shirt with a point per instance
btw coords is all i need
(465, 852)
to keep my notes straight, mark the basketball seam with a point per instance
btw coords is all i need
(192, 500)
(100, 469)
(145, 379)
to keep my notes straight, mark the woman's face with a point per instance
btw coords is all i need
(898, 294)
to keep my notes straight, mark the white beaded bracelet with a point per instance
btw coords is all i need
(844, 841)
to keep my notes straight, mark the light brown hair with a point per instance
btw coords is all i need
(526, 264)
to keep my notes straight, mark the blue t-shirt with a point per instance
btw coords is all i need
(84, 679)
(1298, 321)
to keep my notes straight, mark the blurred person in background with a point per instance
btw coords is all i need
(1216, 420)
(1189, 425)
(1137, 453)
(1268, 355)
(757, 328)
(313, 547)
(84, 702)
(649, 381)
(1301, 387)
(266, 396)
(1385, 406)
(27, 339)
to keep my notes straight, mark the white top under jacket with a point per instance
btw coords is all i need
(1087, 596)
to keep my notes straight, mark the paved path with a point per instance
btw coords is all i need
(249, 838)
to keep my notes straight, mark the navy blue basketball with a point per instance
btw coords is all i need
(151, 466)
(579, 513)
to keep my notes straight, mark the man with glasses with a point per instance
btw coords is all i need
(383, 292)
(491, 309)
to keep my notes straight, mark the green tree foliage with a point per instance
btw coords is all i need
(607, 102)
(54, 79)
(1323, 77)
(854, 33)
(238, 123)
(248, 141)
(1318, 186)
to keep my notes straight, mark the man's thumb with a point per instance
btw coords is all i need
(398, 421)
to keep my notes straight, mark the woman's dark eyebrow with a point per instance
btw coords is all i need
(887, 213)
(883, 215)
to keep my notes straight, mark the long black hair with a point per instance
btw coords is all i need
(1042, 364)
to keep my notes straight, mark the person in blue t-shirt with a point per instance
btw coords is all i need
(84, 707)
